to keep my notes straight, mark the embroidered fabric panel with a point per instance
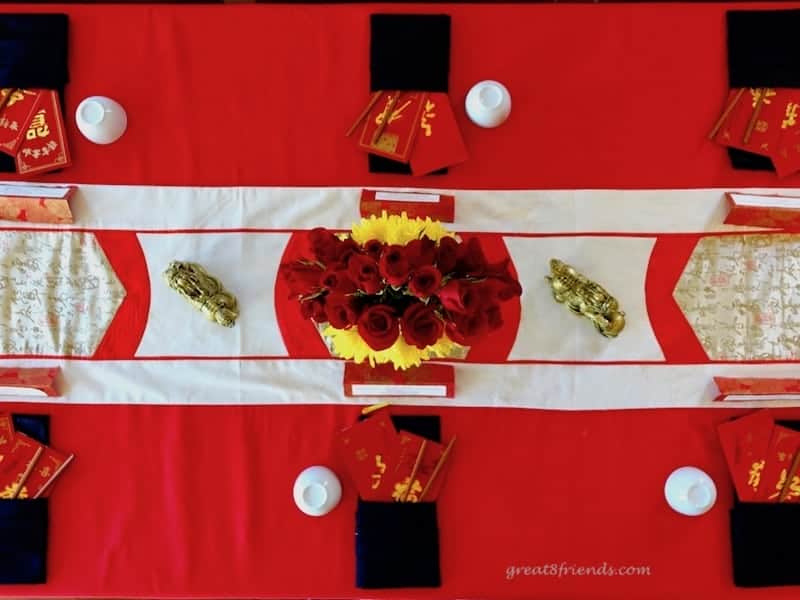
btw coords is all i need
(741, 295)
(58, 293)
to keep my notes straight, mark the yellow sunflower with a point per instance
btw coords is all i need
(397, 229)
(348, 344)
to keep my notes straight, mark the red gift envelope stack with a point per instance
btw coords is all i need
(387, 465)
(32, 130)
(28, 468)
(415, 128)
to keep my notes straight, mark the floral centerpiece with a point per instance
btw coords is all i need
(399, 290)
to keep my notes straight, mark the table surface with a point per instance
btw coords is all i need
(169, 501)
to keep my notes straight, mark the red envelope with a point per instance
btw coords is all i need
(400, 133)
(45, 145)
(14, 118)
(439, 142)
(745, 442)
(49, 466)
(17, 465)
(409, 451)
(370, 450)
(6, 436)
(783, 445)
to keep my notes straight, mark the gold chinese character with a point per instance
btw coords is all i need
(362, 454)
(376, 477)
(755, 474)
(756, 93)
(38, 127)
(791, 115)
(401, 487)
(16, 96)
(3, 440)
(45, 472)
(781, 456)
(761, 126)
(11, 490)
(52, 145)
(428, 114)
(794, 486)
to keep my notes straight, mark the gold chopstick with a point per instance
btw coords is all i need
(438, 467)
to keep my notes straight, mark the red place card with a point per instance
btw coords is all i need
(45, 145)
(50, 465)
(763, 210)
(783, 445)
(747, 389)
(427, 380)
(745, 442)
(440, 207)
(17, 465)
(35, 381)
(36, 203)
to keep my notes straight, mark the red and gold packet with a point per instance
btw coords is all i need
(36, 203)
(745, 442)
(397, 139)
(39, 381)
(44, 147)
(439, 143)
(6, 436)
(15, 116)
(50, 465)
(370, 451)
(17, 465)
(403, 488)
(783, 445)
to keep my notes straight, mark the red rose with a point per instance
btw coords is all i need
(324, 245)
(347, 249)
(394, 265)
(340, 310)
(365, 274)
(447, 254)
(421, 252)
(303, 278)
(460, 296)
(378, 327)
(374, 248)
(468, 329)
(421, 326)
(425, 281)
(470, 258)
(338, 281)
(313, 309)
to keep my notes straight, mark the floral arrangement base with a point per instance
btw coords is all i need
(426, 380)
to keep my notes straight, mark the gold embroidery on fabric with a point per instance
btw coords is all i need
(58, 293)
(741, 295)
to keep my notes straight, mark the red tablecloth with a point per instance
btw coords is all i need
(195, 501)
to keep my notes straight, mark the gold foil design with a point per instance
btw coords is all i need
(741, 295)
(58, 293)
(586, 298)
(205, 292)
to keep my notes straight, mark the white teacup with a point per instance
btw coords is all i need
(101, 120)
(317, 491)
(488, 103)
(690, 491)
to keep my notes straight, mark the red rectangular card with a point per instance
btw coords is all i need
(398, 137)
(783, 445)
(50, 465)
(17, 465)
(31, 381)
(45, 145)
(748, 389)
(744, 443)
(15, 116)
(401, 478)
(370, 449)
(426, 380)
(441, 207)
(762, 210)
(439, 142)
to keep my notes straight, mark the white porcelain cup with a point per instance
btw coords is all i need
(317, 491)
(101, 120)
(488, 103)
(690, 491)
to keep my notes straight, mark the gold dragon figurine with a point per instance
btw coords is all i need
(205, 292)
(585, 297)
